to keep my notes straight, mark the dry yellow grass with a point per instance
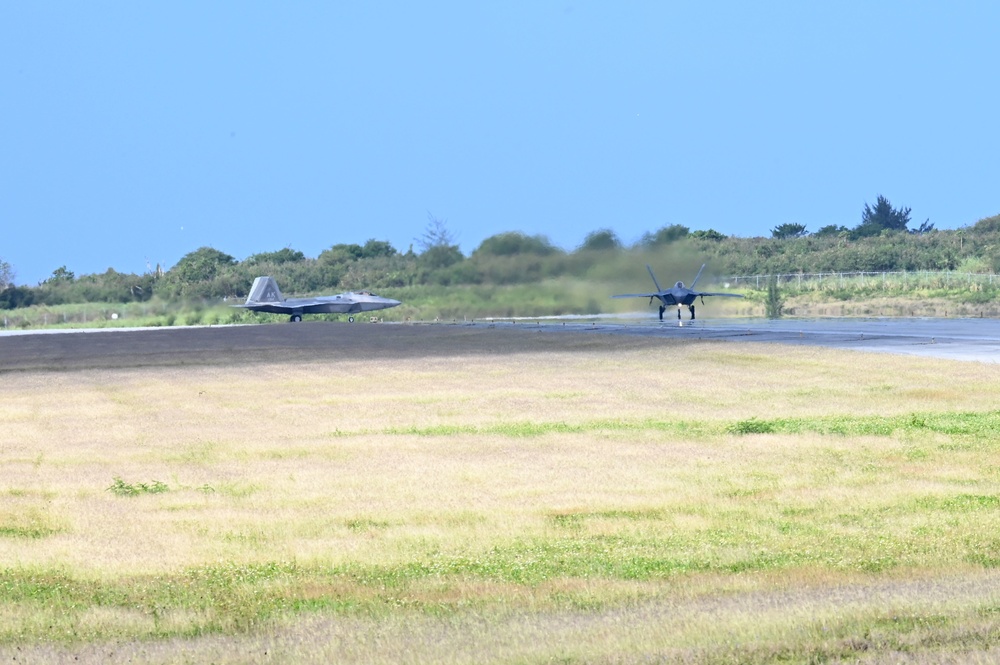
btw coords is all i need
(388, 462)
(259, 473)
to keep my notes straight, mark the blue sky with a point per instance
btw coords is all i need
(133, 133)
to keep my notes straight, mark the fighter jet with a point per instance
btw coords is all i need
(679, 295)
(265, 296)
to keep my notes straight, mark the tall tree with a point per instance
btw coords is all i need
(436, 234)
(438, 244)
(830, 230)
(60, 275)
(789, 231)
(882, 217)
(708, 234)
(200, 265)
(375, 248)
(601, 239)
(6, 275)
(665, 235)
(16, 296)
(342, 253)
(284, 255)
(513, 243)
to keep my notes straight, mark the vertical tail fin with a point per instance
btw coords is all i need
(698, 276)
(655, 283)
(264, 289)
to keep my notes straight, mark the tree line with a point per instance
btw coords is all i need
(882, 241)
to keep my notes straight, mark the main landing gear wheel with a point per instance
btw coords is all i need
(691, 307)
(661, 312)
(350, 319)
(295, 318)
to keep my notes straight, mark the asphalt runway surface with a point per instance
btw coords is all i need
(955, 339)
(976, 340)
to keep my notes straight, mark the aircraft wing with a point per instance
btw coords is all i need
(283, 307)
(727, 295)
(313, 305)
(638, 295)
(344, 303)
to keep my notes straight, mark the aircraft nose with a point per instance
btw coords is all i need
(370, 301)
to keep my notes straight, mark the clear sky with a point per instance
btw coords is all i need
(132, 133)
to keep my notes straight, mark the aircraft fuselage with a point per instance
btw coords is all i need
(353, 303)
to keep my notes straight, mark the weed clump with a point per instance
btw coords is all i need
(120, 488)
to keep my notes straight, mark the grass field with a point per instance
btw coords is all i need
(505, 501)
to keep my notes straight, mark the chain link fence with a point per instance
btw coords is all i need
(833, 280)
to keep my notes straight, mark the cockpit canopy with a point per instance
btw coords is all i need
(679, 285)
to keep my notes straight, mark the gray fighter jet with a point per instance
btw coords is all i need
(265, 296)
(678, 294)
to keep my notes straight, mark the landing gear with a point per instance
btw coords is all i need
(662, 308)
(691, 307)
(350, 319)
(295, 318)
(678, 312)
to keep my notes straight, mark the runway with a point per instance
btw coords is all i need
(974, 340)
(955, 339)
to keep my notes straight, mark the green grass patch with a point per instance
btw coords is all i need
(576, 519)
(231, 596)
(534, 429)
(979, 425)
(961, 503)
(35, 531)
(364, 524)
(953, 424)
(29, 522)
(752, 426)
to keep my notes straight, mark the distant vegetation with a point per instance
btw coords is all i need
(528, 265)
